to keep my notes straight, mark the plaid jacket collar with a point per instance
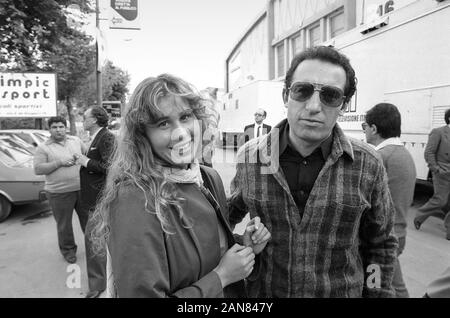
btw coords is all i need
(264, 152)
(269, 151)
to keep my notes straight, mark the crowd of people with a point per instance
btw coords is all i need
(327, 212)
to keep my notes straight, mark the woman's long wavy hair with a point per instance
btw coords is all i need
(133, 161)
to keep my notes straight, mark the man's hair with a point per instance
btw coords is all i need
(387, 118)
(264, 112)
(325, 54)
(101, 115)
(57, 119)
(447, 116)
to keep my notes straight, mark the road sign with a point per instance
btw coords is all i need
(124, 14)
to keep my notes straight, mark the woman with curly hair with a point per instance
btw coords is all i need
(163, 217)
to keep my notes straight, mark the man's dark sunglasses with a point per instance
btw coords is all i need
(329, 95)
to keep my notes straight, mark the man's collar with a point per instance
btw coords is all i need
(339, 143)
(390, 141)
(325, 146)
(95, 134)
(53, 141)
(273, 145)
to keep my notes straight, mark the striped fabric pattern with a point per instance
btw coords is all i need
(346, 227)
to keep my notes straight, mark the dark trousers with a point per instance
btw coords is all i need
(62, 205)
(441, 187)
(397, 282)
(96, 264)
(446, 210)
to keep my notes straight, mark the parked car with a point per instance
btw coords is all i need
(33, 137)
(18, 183)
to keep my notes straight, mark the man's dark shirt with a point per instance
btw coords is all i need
(301, 172)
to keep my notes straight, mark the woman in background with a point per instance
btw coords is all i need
(162, 215)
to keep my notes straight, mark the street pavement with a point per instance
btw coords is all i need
(31, 265)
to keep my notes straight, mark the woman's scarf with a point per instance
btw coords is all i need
(178, 175)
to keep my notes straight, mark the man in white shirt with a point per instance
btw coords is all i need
(56, 159)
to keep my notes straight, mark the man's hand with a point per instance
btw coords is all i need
(436, 170)
(82, 160)
(69, 162)
(256, 235)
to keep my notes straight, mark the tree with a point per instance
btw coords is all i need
(35, 36)
(73, 63)
(114, 85)
(115, 82)
(31, 31)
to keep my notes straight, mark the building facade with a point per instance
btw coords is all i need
(399, 49)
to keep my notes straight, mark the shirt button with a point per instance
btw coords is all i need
(305, 162)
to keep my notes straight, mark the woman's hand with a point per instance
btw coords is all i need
(256, 235)
(235, 265)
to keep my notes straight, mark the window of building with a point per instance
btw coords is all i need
(337, 23)
(296, 44)
(236, 104)
(314, 35)
(280, 60)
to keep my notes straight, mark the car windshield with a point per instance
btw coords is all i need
(7, 157)
(12, 153)
(20, 139)
(26, 137)
(41, 137)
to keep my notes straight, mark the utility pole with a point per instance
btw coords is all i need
(98, 67)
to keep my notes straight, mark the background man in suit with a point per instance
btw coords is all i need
(258, 128)
(437, 155)
(92, 180)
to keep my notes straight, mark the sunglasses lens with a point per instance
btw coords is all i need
(301, 91)
(331, 96)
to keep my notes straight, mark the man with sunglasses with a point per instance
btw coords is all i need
(323, 196)
(258, 128)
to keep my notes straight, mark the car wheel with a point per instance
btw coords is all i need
(5, 208)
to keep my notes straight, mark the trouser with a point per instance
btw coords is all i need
(447, 224)
(62, 205)
(95, 261)
(446, 210)
(441, 186)
(397, 282)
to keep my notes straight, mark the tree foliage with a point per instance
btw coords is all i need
(32, 31)
(35, 36)
(115, 82)
(114, 85)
